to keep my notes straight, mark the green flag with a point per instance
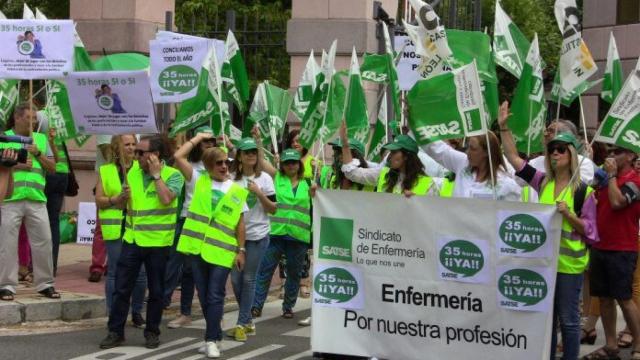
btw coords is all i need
(314, 116)
(528, 107)
(566, 99)
(356, 114)
(509, 43)
(307, 84)
(613, 76)
(621, 126)
(379, 135)
(235, 81)
(205, 106)
(447, 106)
(269, 111)
(375, 68)
(335, 108)
(8, 99)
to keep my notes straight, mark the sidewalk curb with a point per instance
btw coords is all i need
(33, 308)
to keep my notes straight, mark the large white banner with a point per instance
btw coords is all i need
(111, 102)
(432, 278)
(86, 223)
(36, 49)
(175, 68)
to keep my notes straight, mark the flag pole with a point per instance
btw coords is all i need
(584, 122)
(30, 106)
(486, 133)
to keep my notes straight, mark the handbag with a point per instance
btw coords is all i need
(72, 183)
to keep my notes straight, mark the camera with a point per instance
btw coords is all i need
(22, 152)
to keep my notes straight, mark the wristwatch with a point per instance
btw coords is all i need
(156, 178)
(244, 250)
(38, 154)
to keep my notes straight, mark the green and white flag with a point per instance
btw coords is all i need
(379, 135)
(528, 107)
(306, 86)
(235, 81)
(430, 39)
(269, 111)
(447, 106)
(509, 43)
(356, 114)
(621, 126)
(314, 116)
(205, 107)
(567, 99)
(335, 108)
(576, 62)
(8, 99)
(613, 75)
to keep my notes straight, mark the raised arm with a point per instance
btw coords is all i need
(266, 165)
(181, 155)
(508, 144)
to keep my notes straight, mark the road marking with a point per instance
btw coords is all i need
(299, 356)
(301, 332)
(226, 345)
(176, 351)
(257, 352)
(128, 352)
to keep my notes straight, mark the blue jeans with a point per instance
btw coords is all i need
(566, 309)
(114, 248)
(244, 282)
(210, 281)
(54, 191)
(179, 271)
(295, 251)
(131, 259)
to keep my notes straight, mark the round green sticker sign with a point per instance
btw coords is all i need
(178, 78)
(523, 285)
(105, 102)
(25, 47)
(523, 232)
(462, 257)
(336, 284)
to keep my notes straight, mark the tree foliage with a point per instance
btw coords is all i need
(54, 9)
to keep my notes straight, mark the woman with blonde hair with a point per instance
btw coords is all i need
(560, 185)
(112, 195)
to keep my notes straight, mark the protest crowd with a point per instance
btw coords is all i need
(195, 207)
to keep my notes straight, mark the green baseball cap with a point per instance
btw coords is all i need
(336, 142)
(566, 138)
(290, 155)
(403, 142)
(247, 143)
(353, 144)
(203, 129)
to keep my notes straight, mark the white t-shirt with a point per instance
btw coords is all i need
(189, 186)
(256, 221)
(101, 140)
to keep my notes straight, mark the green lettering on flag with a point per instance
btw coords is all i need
(8, 99)
(528, 106)
(336, 238)
(613, 76)
(509, 43)
(356, 114)
(621, 126)
(235, 81)
(447, 106)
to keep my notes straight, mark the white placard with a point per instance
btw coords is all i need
(86, 223)
(525, 235)
(36, 49)
(175, 68)
(408, 64)
(111, 102)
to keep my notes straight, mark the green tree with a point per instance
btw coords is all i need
(54, 9)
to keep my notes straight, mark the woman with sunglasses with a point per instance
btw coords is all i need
(261, 202)
(290, 232)
(404, 173)
(188, 160)
(558, 186)
(112, 195)
(214, 233)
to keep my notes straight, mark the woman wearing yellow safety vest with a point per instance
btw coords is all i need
(112, 195)
(334, 178)
(560, 185)
(261, 202)
(404, 173)
(188, 160)
(214, 230)
(309, 163)
(473, 168)
(290, 232)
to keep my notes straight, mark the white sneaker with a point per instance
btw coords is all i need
(212, 350)
(305, 322)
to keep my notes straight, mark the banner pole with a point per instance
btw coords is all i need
(30, 106)
(582, 119)
(557, 110)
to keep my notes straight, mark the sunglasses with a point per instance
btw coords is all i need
(617, 151)
(141, 153)
(560, 148)
(223, 162)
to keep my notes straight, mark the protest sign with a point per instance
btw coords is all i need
(175, 68)
(36, 49)
(86, 223)
(425, 274)
(111, 102)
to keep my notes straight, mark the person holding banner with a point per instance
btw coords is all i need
(561, 186)
(188, 159)
(261, 202)
(474, 170)
(28, 204)
(149, 231)
(290, 231)
(214, 231)
(403, 175)
(112, 196)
